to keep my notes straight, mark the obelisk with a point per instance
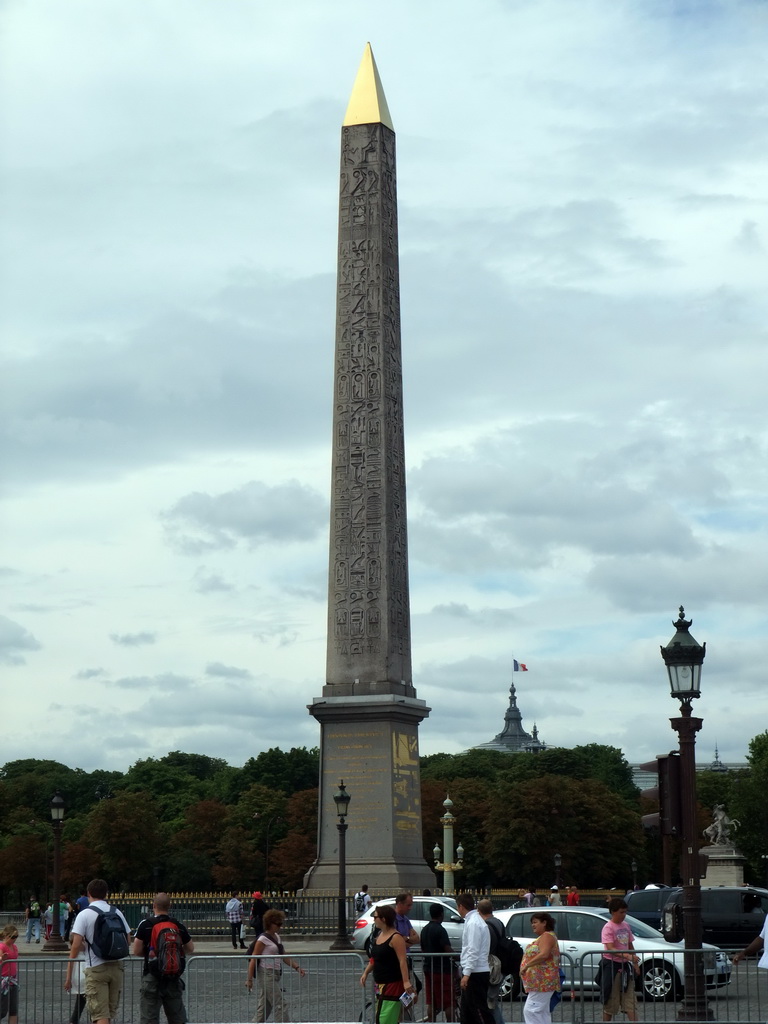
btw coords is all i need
(369, 713)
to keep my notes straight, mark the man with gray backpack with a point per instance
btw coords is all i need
(101, 931)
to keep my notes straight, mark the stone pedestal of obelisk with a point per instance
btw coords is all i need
(369, 713)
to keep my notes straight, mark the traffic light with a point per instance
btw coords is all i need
(667, 794)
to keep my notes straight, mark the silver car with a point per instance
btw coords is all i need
(419, 915)
(579, 929)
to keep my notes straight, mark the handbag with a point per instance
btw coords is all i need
(494, 965)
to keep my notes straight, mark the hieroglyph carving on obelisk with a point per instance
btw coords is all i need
(369, 641)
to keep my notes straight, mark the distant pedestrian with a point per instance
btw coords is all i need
(161, 982)
(554, 897)
(258, 909)
(438, 970)
(9, 974)
(32, 914)
(362, 900)
(234, 914)
(574, 899)
(619, 964)
(540, 970)
(66, 917)
(269, 947)
(529, 897)
(403, 904)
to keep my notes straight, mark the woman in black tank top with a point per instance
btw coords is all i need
(389, 965)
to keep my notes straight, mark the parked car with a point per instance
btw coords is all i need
(579, 931)
(730, 915)
(419, 915)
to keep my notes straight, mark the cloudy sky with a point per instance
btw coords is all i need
(584, 235)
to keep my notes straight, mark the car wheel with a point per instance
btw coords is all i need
(510, 987)
(659, 981)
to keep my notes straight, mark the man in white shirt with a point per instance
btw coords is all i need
(475, 972)
(103, 978)
(757, 943)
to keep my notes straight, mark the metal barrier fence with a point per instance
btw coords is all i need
(216, 992)
(330, 992)
(734, 994)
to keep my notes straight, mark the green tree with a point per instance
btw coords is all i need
(193, 849)
(288, 771)
(748, 805)
(173, 788)
(472, 764)
(239, 863)
(596, 832)
(126, 834)
(24, 863)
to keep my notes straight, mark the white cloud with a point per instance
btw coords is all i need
(15, 641)
(133, 639)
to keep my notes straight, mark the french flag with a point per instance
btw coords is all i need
(518, 666)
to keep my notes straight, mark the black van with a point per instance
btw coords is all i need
(730, 915)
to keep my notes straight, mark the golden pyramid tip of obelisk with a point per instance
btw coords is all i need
(368, 104)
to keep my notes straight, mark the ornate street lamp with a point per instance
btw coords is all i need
(684, 657)
(55, 943)
(448, 868)
(558, 865)
(341, 798)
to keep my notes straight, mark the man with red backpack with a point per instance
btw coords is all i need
(164, 943)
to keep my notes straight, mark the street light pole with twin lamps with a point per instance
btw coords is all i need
(449, 866)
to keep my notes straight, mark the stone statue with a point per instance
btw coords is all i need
(719, 832)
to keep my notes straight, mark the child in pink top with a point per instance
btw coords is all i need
(9, 983)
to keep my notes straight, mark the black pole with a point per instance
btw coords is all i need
(266, 861)
(341, 942)
(56, 942)
(695, 1006)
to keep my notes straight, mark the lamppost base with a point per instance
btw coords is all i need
(696, 1012)
(55, 945)
(341, 944)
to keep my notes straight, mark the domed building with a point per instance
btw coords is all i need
(513, 739)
